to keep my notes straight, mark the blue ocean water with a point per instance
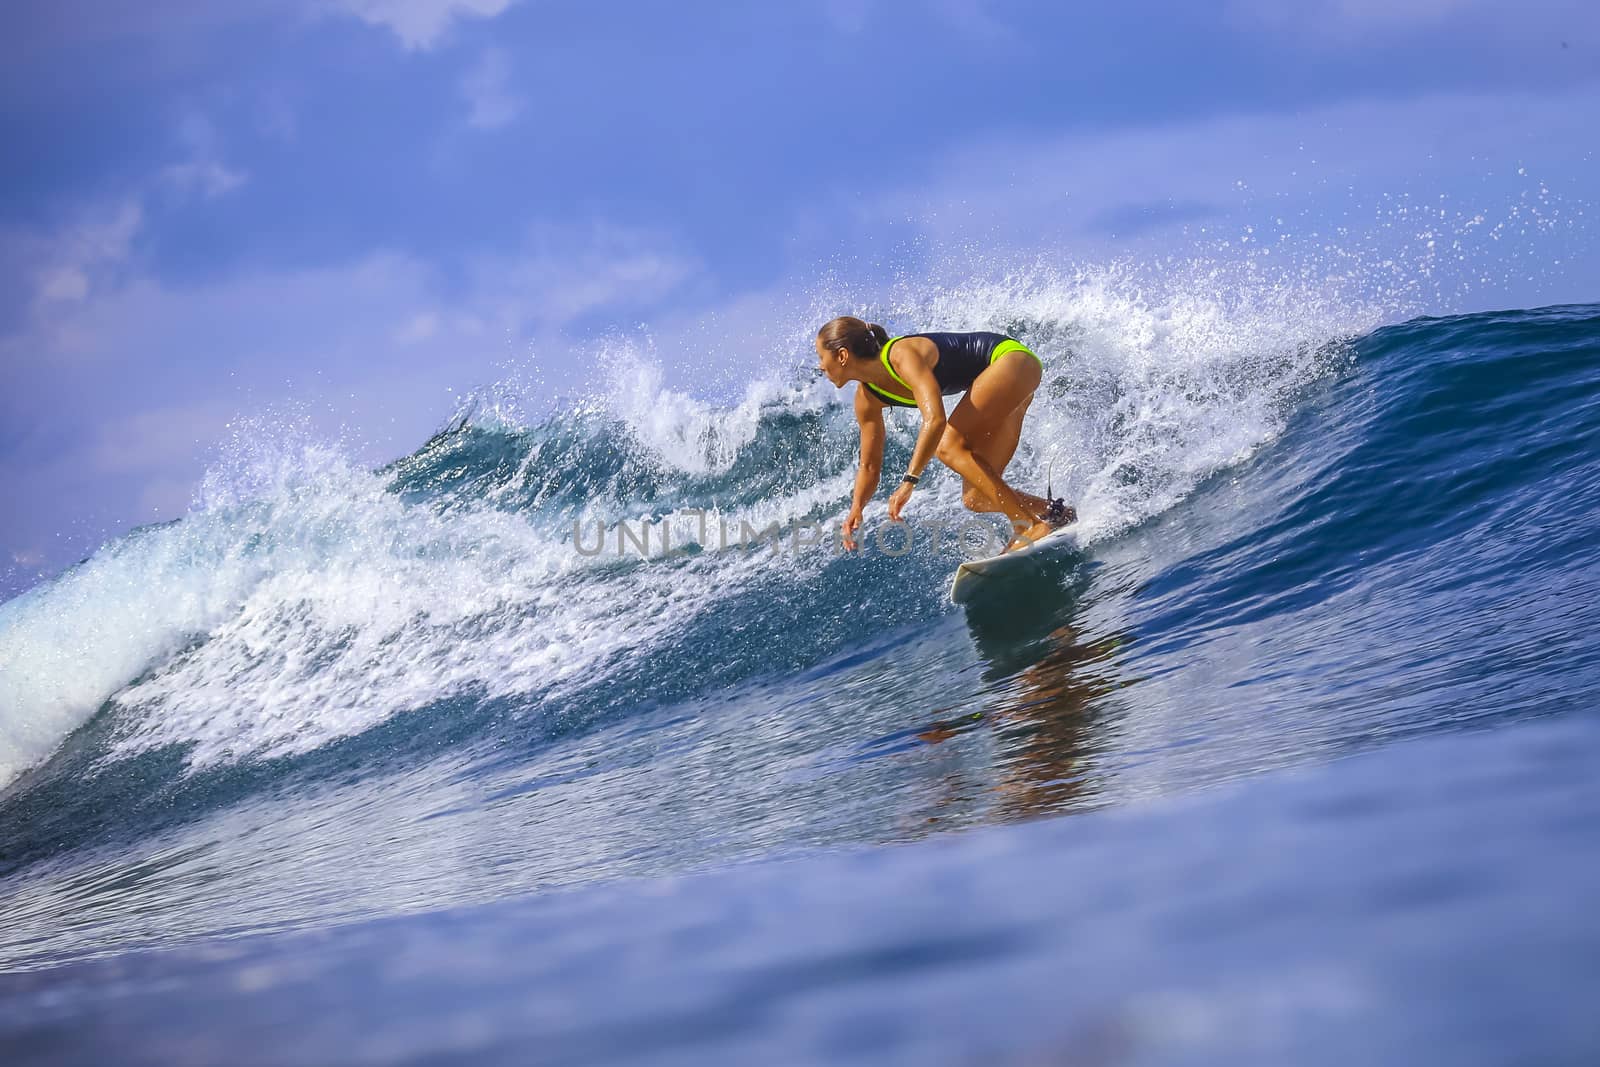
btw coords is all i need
(1289, 763)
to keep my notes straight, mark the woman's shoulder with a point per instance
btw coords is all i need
(921, 347)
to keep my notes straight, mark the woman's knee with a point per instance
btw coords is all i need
(974, 498)
(953, 445)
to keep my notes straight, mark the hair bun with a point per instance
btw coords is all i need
(861, 339)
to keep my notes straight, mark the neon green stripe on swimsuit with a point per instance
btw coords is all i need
(883, 354)
(1009, 345)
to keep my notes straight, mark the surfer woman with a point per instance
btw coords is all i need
(978, 439)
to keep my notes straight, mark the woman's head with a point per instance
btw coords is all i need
(845, 339)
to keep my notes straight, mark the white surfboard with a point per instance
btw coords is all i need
(973, 575)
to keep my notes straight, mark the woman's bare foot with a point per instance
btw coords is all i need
(1030, 535)
(1059, 514)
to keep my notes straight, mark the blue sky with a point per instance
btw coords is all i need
(356, 206)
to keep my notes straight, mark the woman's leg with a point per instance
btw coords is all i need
(1006, 385)
(997, 449)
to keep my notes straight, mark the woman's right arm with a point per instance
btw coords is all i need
(869, 416)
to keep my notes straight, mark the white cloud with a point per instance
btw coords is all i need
(62, 284)
(417, 329)
(487, 89)
(202, 170)
(565, 273)
(1342, 22)
(80, 253)
(72, 262)
(1067, 187)
(207, 177)
(277, 333)
(420, 23)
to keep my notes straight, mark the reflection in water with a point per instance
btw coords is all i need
(1047, 721)
(1047, 678)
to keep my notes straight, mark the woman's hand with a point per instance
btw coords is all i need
(852, 523)
(897, 500)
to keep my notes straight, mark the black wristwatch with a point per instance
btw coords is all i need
(910, 479)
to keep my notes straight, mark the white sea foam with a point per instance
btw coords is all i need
(1152, 383)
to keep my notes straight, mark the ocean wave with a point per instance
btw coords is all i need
(306, 599)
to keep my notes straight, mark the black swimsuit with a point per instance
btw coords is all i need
(962, 357)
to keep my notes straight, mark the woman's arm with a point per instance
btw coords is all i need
(869, 416)
(913, 367)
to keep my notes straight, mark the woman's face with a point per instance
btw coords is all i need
(831, 364)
